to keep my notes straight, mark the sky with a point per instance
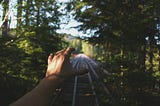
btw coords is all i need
(12, 13)
(64, 28)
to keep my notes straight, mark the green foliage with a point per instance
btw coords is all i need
(76, 43)
(23, 56)
(127, 41)
(87, 49)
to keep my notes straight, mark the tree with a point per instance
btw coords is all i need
(5, 18)
(23, 58)
(127, 29)
(19, 13)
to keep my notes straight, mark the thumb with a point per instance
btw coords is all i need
(50, 57)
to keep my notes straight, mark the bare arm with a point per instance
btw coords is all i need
(58, 70)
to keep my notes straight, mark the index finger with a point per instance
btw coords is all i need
(68, 51)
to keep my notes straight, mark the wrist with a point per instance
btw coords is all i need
(53, 78)
(49, 84)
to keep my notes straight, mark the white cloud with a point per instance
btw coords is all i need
(62, 0)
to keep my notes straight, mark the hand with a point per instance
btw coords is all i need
(60, 65)
(59, 69)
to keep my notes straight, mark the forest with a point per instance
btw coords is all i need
(124, 35)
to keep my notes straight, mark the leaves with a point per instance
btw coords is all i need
(126, 31)
(23, 56)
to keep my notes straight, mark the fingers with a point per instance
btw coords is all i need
(68, 51)
(60, 52)
(65, 52)
(50, 57)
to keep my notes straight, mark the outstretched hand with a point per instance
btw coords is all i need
(59, 69)
(59, 65)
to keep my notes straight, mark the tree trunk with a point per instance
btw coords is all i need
(38, 13)
(38, 17)
(142, 56)
(151, 47)
(5, 19)
(19, 13)
(27, 9)
(159, 59)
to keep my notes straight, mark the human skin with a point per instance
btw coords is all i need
(59, 69)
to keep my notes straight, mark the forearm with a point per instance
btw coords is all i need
(41, 94)
(59, 69)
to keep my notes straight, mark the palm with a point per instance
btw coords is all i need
(60, 65)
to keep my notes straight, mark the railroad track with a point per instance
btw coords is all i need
(81, 90)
